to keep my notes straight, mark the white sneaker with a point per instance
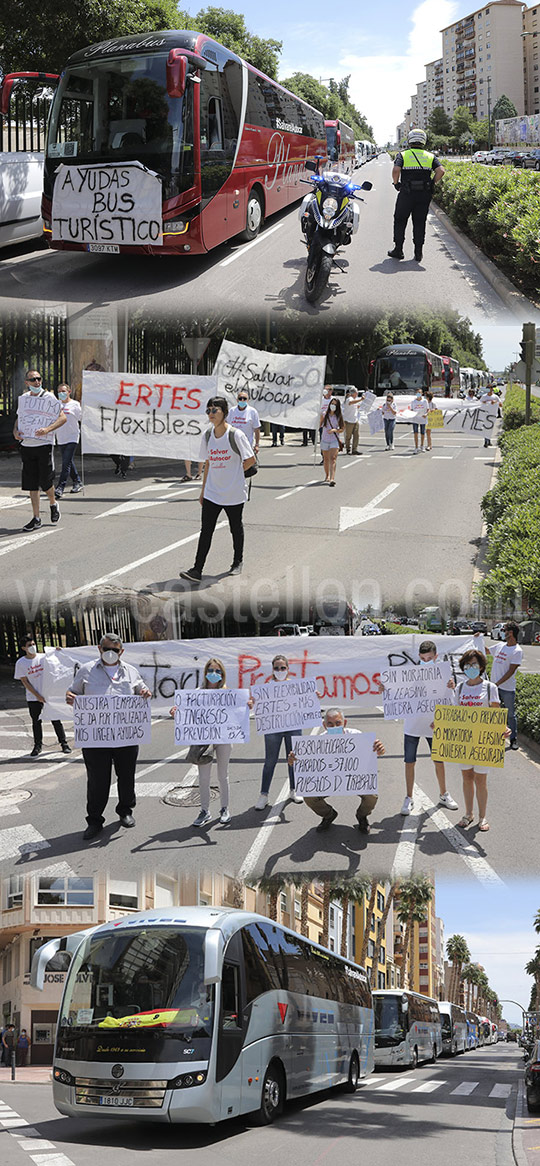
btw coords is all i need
(262, 803)
(224, 816)
(202, 818)
(448, 801)
(407, 806)
(294, 797)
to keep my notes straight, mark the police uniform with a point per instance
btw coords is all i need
(417, 168)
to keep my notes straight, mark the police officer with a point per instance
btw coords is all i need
(414, 174)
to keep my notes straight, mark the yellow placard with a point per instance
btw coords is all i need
(469, 736)
(435, 419)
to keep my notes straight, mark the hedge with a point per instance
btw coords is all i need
(528, 705)
(512, 513)
(499, 209)
(514, 408)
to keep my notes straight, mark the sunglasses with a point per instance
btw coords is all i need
(33, 378)
(213, 410)
(242, 398)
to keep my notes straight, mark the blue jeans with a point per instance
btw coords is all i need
(389, 426)
(508, 701)
(68, 465)
(272, 746)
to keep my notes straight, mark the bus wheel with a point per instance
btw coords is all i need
(272, 1097)
(414, 1059)
(433, 1056)
(254, 217)
(354, 1074)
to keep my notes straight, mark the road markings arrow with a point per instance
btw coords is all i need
(354, 515)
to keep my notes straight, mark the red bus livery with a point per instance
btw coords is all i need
(340, 147)
(170, 143)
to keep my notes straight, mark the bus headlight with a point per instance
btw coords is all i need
(329, 207)
(63, 1077)
(188, 1080)
(175, 227)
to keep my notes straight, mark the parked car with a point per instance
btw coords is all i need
(21, 184)
(531, 160)
(495, 157)
(479, 156)
(532, 1079)
(497, 631)
(480, 625)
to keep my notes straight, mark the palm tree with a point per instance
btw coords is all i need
(304, 881)
(381, 930)
(327, 895)
(415, 895)
(532, 968)
(350, 890)
(469, 976)
(272, 887)
(458, 953)
(367, 922)
(483, 989)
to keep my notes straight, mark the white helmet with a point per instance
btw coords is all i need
(417, 137)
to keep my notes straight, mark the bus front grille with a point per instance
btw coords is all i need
(120, 1094)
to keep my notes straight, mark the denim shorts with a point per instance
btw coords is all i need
(418, 426)
(411, 747)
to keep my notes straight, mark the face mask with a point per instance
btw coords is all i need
(214, 677)
(334, 730)
(31, 651)
(242, 404)
(332, 408)
(35, 390)
(279, 673)
(62, 396)
(418, 396)
(110, 656)
(471, 671)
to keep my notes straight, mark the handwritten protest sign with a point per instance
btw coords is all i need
(103, 204)
(335, 766)
(413, 691)
(469, 736)
(457, 414)
(286, 704)
(37, 412)
(435, 419)
(103, 722)
(159, 416)
(282, 387)
(217, 716)
(375, 421)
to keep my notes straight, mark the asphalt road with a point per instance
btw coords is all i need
(267, 275)
(282, 839)
(455, 1111)
(397, 529)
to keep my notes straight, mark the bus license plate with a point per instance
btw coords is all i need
(116, 1101)
(104, 248)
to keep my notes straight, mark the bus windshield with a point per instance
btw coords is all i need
(140, 979)
(389, 1027)
(407, 371)
(117, 111)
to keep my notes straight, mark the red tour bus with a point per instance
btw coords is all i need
(168, 143)
(404, 368)
(340, 146)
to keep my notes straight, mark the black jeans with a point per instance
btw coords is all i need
(210, 514)
(415, 203)
(99, 763)
(34, 708)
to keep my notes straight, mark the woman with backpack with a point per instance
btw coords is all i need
(227, 456)
(475, 690)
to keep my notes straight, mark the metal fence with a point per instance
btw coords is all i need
(31, 339)
(24, 127)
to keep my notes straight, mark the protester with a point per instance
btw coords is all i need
(431, 409)
(227, 455)
(8, 1044)
(334, 722)
(189, 476)
(246, 418)
(350, 419)
(273, 742)
(29, 670)
(23, 1047)
(332, 427)
(202, 756)
(108, 676)
(507, 658)
(419, 406)
(68, 439)
(491, 401)
(121, 462)
(277, 431)
(389, 414)
(475, 690)
(37, 451)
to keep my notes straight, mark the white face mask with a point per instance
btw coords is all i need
(31, 651)
(110, 656)
(332, 408)
(279, 673)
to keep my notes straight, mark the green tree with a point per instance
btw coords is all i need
(381, 929)
(333, 102)
(462, 121)
(532, 968)
(271, 887)
(229, 28)
(503, 108)
(415, 894)
(469, 976)
(439, 122)
(479, 131)
(458, 953)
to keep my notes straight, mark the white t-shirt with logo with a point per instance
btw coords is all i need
(483, 694)
(225, 482)
(247, 420)
(420, 407)
(70, 430)
(31, 668)
(492, 402)
(388, 413)
(349, 409)
(503, 657)
(52, 415)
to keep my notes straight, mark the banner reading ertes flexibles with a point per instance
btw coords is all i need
(282, 387)
(150, 416)
(111, 205)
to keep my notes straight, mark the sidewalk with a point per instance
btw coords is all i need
(526, 1133)
(26, 1075)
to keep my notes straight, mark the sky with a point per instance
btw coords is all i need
(500, 343)
(497, 923)
(384, 47)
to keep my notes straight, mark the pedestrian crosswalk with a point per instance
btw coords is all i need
(395, 1083)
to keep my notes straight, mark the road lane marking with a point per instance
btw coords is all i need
(429, 1087)
(465, 1089)
(134, 564)
(36, 1144)
(254, 242)
(19, 840)
(399, 1083)
(263, 835)
(502, 1091)
(313, 482)
(17, 543)
(354, 515)
(142, 504)
(406, 848)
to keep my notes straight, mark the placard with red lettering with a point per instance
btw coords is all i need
(149, 416)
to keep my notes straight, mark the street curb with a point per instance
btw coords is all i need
(520, 1156)
(478, 570)
(528, 743)
(513, 299)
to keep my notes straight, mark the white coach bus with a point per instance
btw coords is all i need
(407, 1028)
(197, 1014)
(454, 1028)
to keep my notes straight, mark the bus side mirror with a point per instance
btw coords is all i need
(338, 140)
(5, 94)
(176, 71)
(45, 953)
(311, 166)
(213, 956)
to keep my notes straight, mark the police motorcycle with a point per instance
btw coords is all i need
(329, 217)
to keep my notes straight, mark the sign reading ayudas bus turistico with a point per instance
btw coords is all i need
(107, 205)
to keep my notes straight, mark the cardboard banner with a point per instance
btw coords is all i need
(282, 388)
(458, 414)
(150, 416)
(216, 716)
(111, 720)
(346, 668)
(413, 691)
(102, 204)
(469, 736)
(286, 704)
(375, 421)
(435, 419)
(335, 766)
(36, 412)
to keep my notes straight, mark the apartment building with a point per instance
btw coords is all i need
(531, 62)
(483, 58)
(434, 85)
(419, 105)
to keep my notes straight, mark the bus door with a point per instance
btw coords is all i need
(231, 1030)
(223, 202)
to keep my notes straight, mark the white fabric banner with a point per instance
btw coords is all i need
(110, 720)
(107, 204)
(217, 716)
(410, 691)
(335, 766)
(459, 414)
(149, 416)
(283, 388)
(346, 669)
(286, 704)
(36, 412)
